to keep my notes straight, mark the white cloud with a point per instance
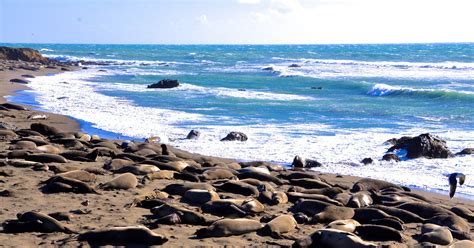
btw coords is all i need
(285, 6)
(249, 1)
(203, 19)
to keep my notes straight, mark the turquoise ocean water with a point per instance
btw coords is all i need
(333, 103)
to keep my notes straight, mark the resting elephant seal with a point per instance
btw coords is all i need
(117, 163)
(216, 174)
(139, 169)
(200, 196)
(295, 196)
(162, 174)
(64, 184)
(229, 227)
(344, 225)
(124, 181)
(35, 221)
(360, 199)
(49, 149)
(404, 215)
(233, 207)
(332, 213)
(452, 221)
(463, 244)
(180, 189)
(238, 187)
(46, 158)
(436, 234)
(309, 183)
(23, 145)
(368, 184)
(187, 216)
(123, 235)
(259, 176)
(310, 207)
(80, 175)
(333, 238)
(279, 225)
(379, 233)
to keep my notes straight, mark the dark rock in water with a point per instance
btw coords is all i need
(235, 136)
(28, 76)
(466, 151)
(269, 68)
(294, 66)
(367, 161)
(395, 141)
(65, 69)
(19, 81)
(23, 54)
(390, 157)
(299, 162)
(194, 134)
(316, 88)
(164, 84)
(102, 70)
(13, 106)
(242, 90)
(424, 145)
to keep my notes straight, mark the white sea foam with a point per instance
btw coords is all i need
(69, 58)
(340, 150)
(385, 90)
(46, 50)
(320, 68)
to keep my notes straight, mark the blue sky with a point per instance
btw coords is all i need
(235, 21)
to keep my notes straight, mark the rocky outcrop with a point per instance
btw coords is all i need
(164, 84)
(235, 136)
(424, 145)
(466, 151)
(391, 157)
(23, 54)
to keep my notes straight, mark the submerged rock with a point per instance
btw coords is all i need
(235, 136)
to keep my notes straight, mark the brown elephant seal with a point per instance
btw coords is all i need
(295, 196)
(43, 222)
(436, 234)
(139, 169)
(161, 174)
(309, 183)
(63, 184)
(233, 207)
(229, 227)
(259, 176)
(329, 192)
(333, 238)
(424, 210)
(463, 212)
(23, 145)
(366, 215)
(379, 233)
(44, 129)
(187, 216)
(360, 199)
(180, 189)
(124, 181)
(348, 225)
(48, 149)
(452, 221)
(217, 174)
(200, 196)
(80, 175)
(21, 163)
(463, 244)
(310, 207)
(279, 225)
(166, 151)
(46, 158)
(123, 235)
(368, 184)
(238, 187)
(117, 163)
(156, 194)
(279, 197)
(332, 213)
(404, 215)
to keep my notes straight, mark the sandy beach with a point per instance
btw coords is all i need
(23, 188)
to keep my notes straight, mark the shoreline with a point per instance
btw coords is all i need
(107, 209)
(84, 126)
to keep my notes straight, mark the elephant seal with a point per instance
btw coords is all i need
(139, 169)
(463, 212)
(187, 216)
(348, 225)
(422, 209)
(180, 189)
(123, 235)
(64, 184)
(279, 197)
(299, 162)
(156, 194)
(229, 227)
(23, 145)
(379, 233)
(329, 192)
(332, 213)
(44, 129)
(452, 221)
(309, 183)
(279, 225)
(80, 175)
(259, 176)
(49, 149)
(166, 151)
(124, 181)
(333, 238)
(310, 207)
(216, 174)
(404, 215)
(161, 174)
(42, 222)
(200, 196)
(193, 134)
(238, 187)
(117, 163)
(295, 196)
(366, 215)
(436, 234)
(46, 158)
(453, 181)
(463, 244)
(360, 199)
(233, 207)
(368, 184)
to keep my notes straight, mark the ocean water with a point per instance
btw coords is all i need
(334, 103)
